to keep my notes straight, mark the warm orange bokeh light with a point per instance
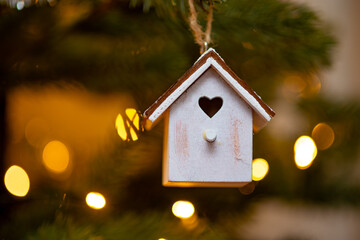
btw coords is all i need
(183, 209)
(135, 119)
(56, 157)
(133, 116)
(294, 83)
(120, 126)
(323, 136)
(260, 168)
(132, 123)
(36, 131)
(95, 200)
(305, 152)
(17, 181)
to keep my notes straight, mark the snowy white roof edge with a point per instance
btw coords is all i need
(244, 94)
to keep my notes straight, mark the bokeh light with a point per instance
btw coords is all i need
(135, 119)
(129, 125)
(323, 136)
(36, 131)
(313, 86)
(305, 152)
(56, 157)
(95, 200)
(294, 83)
(183, 209)
(120, 126)
(20, 5)
(17, 181)
(260, 168)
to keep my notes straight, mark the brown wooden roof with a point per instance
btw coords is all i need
(202, 60)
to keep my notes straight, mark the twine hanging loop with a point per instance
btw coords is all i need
(201, 38)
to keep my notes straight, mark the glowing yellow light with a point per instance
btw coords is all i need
(162, 239)
(323, 136)
(131, 122)
(260, 168)
(56, 157)
(120, 126)
(183, 209)
(133, 134)
(17, 181)
(305, 152)
(95, 200)
(133, 116)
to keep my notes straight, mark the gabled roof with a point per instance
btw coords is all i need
(262, 113)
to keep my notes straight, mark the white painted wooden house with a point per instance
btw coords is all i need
(210, 116)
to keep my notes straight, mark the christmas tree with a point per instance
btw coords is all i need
(75, 76)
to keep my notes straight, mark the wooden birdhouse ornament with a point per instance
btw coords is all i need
(210, 116)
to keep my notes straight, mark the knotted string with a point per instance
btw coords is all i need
(201, 38)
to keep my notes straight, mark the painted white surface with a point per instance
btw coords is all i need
(188, 157)
(209, 50)
(241, 91)
(177, 93)
(261, 117)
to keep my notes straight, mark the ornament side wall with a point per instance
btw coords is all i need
(193, 158)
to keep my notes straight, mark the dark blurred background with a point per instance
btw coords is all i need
(73, 73)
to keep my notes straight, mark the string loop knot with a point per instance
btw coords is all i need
(201, 38)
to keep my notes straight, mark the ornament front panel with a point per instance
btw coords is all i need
(208, 136)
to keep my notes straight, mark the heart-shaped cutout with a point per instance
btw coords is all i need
(210, 106)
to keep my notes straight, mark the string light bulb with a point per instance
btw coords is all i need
(260, 169)
(95, 200)
(128, 125)
(17, 181)
(56, 157)
(323, 136)
(305, 152)
(183, 209)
